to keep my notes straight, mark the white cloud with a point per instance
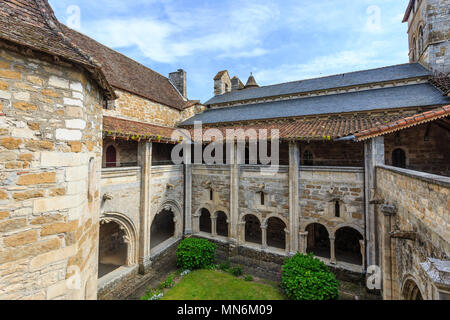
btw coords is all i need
(236, 32)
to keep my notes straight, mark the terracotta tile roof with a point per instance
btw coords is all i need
(129, 75)
(126, 129)
(403, 123)
(32, 23)
(314, 129)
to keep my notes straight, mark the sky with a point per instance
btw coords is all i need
(279, 41)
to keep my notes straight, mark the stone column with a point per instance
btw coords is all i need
(187, 189)
(303, 241)
(214, 226)
(145, 162)
(294, 208)
(236, 159)
(288, 241)
(363, 252)
(196, 222)
(373, 156)
(264, 237)
(332, 251)
(386, 253)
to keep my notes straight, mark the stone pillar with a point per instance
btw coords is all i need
(332, 251)
(196, 222)
(294, 208)
(373, 156)
(145, 162)
(264, 237)
(236, 159)
(363, 252)
(288, 241)
(303, 241)
(187, 189)
(386, 253)
(214, 226)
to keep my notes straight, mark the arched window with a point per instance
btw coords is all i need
(211, 194)
(411, 291)
(112, 248)
(308, 158)
(399, 158)
(414, 48)
(111, 157)
(222, 224)
(420, 41)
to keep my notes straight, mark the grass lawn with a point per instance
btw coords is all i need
(216, 285)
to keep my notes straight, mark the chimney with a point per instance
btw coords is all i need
(236, 84)
(178, 79)
(222, 83)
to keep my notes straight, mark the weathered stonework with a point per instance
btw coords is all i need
(50, 191)
(423, 208)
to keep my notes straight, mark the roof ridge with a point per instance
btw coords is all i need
(115, 51)
(345, 73)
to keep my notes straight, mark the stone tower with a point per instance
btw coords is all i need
(429, 33)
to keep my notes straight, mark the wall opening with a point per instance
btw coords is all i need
(411, 291)
(276, 235)
(113, 248)
(318, 241)
(163, 228)
(337, 209)
(222, 224)
(111, 157)
(347, 246)
(205, 221)
(399, 158)
(308, 158)
(253, 233)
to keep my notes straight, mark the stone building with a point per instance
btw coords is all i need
(92, 203)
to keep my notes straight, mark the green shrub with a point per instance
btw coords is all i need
(236, 271)
(224, 266)
(248, 278)
(307, 278)
(193, 253)
(168, 283)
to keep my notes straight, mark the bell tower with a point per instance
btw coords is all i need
(429, 34)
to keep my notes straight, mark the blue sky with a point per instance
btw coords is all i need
(278, 41)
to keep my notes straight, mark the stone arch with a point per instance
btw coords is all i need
(318, 240)
(206, 221)
(175, 207)
(411, 289)
(130, 237)
(252, 232)
(346, 225)
(221, 223)
(349, 244)
(276, 231)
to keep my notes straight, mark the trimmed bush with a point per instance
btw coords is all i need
(236, 271)
(307, 278)
(193, 253)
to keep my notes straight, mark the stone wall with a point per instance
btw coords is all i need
(432, 15)
(321, 187)
(275, 188)
(124, 188)
(423, 148)
(126, 152)
(50, 162)
(422, 207)
(203, 179)
(334, 154)
(136, 108)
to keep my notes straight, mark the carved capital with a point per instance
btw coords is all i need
(388, 210)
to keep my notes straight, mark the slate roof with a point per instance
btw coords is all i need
(391, 73)
(403, 123)
(128, 75)
(32, 23)
(127, 129)
(362, 101)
